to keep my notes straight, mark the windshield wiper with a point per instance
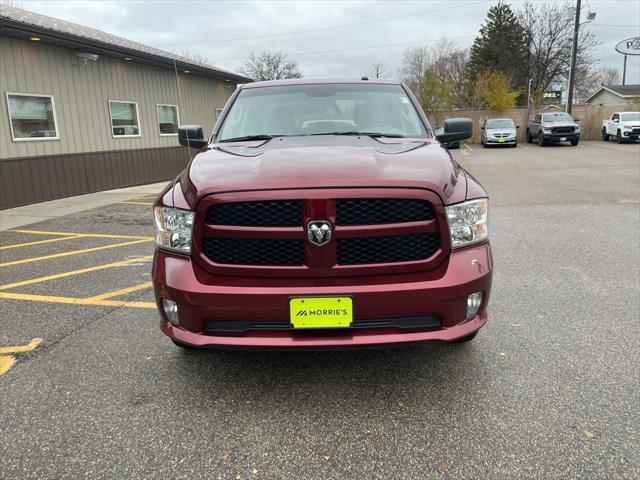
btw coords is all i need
(248, 138)
(364, 134)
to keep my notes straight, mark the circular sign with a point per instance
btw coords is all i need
(630, 46)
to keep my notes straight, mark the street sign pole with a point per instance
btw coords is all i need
(624, 70)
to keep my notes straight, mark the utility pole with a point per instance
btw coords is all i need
(574, 54)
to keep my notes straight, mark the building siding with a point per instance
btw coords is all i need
(607, 98)
(81, 96)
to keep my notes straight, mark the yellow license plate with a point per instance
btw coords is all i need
(321, 312)
(501, 140)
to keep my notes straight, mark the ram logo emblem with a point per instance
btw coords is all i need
(319, 232)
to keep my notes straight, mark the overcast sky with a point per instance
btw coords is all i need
(328, 38)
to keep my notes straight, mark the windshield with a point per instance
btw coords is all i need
(557, 117)
(630, 117)
(324, 109)
(500, 123)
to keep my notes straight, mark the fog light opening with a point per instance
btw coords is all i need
(171, 311)
(473, 304)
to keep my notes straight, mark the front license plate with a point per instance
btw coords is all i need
(501, 140)
(321, 312)
(563, 139)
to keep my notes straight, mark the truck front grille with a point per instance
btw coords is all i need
(272, 213)
(562, 130)
(369, 211)
(254, 251)
(365, 232)
(402, 248)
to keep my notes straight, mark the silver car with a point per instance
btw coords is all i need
(499, 131)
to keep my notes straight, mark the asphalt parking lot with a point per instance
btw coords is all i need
(90, 387)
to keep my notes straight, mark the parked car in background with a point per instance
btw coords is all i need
(449, 145)
(499, 131)
(553, 128)
(289, 229)
(623, 126)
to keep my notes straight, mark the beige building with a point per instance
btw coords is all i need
(615, 95)
(83, 110)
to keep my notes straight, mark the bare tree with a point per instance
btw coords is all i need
(587, 82)
(549, 31)
(196, 57)
(377, 70)
(415, 62)
(270, 66)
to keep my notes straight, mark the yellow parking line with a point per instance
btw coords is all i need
(466, 145)
(6, 362)
(138, 203)
(39, 242)
(121, 263)
(122, 291)
(21, 348)
(73, 252)
(75, 301)
(94, 235)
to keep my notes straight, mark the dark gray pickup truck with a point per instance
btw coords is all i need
(552, 128)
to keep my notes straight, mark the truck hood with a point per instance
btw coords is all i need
(317, 162)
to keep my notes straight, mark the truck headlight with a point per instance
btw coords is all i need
(174, 228)
(577, 129)
(468, 222)
(546, 130)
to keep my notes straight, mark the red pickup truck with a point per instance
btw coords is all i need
(322, 214)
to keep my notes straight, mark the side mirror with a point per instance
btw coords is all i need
(191, 136)
(482, 127)
(456, 129)
(616, 121)
(517, 126)
(576, 119)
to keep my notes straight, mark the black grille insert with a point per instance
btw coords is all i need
(271, 213)
(402, 248)
(562, 130)
(367, 211)
(241, 326)
(253, 251)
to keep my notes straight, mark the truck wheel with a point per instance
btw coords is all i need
(529, 137)
(619, 137)
(541, 139)
(466, 339)
(605, 135)
(574, 142)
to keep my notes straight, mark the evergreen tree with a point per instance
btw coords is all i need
(501, 46)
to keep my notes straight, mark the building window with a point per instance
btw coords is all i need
(168, 119)
(124, 119)
(32, 117)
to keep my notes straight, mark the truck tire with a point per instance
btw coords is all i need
(574, 142)
(618, 137)
(541, 139)
(529, 137)
(605, 135)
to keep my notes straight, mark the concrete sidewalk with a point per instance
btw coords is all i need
(38, 212)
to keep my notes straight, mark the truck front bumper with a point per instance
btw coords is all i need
(204, 299)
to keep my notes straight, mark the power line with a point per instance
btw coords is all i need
(299, 54)
(322, 29)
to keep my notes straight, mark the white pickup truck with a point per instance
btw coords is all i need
(622, 126)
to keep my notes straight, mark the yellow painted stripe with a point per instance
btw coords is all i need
(121, 263)
(6, 362)
(94, 235)
(73, 252)
(39, 242)
(466, 145)
(138, 203)
(22, 348)
(122, 291)
(75, 301)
